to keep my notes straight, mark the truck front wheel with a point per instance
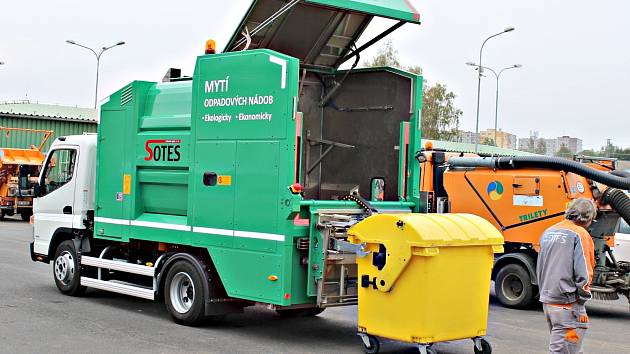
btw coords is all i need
(184, 295)
(513, 286)
(66, 270)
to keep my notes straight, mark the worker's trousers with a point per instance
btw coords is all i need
(567, 325)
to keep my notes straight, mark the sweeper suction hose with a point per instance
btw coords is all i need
(619, 201)
(545, 162)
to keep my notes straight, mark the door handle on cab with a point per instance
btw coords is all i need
(67, 210)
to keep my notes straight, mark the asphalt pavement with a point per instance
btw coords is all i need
(36, 318)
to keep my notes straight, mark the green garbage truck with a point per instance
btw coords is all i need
(237, 186)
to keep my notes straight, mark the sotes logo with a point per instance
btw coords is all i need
(495, 190)
(162, 150)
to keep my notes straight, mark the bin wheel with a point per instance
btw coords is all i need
(486, 348)
(513, 286)
(375, 345)
(431, 350)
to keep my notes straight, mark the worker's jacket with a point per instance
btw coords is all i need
(565, 264)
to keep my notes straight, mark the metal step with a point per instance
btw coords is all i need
(120, 288)
(116, 265)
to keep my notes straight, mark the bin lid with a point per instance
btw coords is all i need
(428, 230)
(317, 32)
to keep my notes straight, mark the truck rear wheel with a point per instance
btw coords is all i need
(184, 295)
(513, 286)
(66, 270)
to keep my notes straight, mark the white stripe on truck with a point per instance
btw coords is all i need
(196, 229)
(111, 221)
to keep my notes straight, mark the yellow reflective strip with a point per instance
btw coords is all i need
(126, 184)
(224, 181)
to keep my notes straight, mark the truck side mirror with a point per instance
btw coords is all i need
(420, 157)
(377, 189)
(23, 177)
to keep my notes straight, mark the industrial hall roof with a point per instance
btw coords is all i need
(29, 109)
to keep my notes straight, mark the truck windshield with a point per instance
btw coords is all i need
(59, 169)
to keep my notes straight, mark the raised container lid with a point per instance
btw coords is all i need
(317, 32)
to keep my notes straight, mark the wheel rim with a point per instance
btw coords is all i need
(64, 267)
(512, 287)
(182, 292)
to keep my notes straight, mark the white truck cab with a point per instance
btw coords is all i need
(66, 192)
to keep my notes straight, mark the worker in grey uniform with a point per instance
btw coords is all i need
(565, 271)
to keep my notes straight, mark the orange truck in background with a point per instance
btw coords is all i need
(19, 169)
(522, 198)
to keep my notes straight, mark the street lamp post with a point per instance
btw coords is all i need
(508, 29)
(496, 100)
(98, 61)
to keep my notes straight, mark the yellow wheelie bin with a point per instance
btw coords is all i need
(425, 278)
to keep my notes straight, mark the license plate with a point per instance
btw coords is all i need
(21, 203)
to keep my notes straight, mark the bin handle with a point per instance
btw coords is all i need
(396, 265)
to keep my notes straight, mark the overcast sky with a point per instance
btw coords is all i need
(575, 55)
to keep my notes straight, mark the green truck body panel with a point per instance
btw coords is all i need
(232, 121)
(208, 163)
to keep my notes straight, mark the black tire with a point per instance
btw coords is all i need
(184, 294)
(1, 215)
(26, 214)
(486, 348)
(66, 270)
(431, 350)
(309, 312)
(375, 345)
(513, 286)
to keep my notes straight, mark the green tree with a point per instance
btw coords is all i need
(614, 151)
(610, 149)
(589, 152)
(624, 154)
(416, 69)
(488, 141)
(440, 117)
(541, 147)
(387, 55)
(564, 151)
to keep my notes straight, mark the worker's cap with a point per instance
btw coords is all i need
(581, 210)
